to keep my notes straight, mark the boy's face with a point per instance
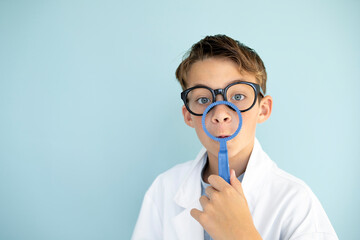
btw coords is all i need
(218, 73)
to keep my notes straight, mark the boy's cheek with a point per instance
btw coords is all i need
(196, 120)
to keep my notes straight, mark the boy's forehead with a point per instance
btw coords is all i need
(216, 73)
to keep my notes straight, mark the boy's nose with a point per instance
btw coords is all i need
(221, 114)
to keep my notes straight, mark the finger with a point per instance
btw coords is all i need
(204, 201)
(218, 182)
(234, 181)
(196, 213)
(210, 190)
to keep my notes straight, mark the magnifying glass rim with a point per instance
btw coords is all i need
(209, 108)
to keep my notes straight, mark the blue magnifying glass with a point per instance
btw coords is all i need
(223, 160)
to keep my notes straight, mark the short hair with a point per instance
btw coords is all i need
(222, 46)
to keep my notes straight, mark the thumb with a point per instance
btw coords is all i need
(235, 182)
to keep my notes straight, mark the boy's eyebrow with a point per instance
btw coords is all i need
(234, 81)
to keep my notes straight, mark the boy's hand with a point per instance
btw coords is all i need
(225, 214)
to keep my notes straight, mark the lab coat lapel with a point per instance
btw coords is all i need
(256, 170)
(187, 197)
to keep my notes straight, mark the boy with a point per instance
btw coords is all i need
(190, 201)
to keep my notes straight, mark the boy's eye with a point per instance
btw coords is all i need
(238, 97)
(203, 100)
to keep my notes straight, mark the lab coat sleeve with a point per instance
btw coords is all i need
(149, 223)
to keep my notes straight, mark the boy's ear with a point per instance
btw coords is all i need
(265, 109)
(187, 117)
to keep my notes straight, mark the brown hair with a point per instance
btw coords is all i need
(222, 46)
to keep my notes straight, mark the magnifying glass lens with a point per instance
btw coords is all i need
(222, 121)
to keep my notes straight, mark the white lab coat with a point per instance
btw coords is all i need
(282, 206)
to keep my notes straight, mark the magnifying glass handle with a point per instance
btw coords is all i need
(223, 162)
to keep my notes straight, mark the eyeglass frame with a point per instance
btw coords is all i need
(256, 87)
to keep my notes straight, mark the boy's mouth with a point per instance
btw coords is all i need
(223, 136)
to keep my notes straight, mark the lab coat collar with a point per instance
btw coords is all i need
(189, 191)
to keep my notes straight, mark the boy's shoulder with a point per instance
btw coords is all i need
(266, 181)
(282, 177)
(176, 174)
(169, 182)
(281, 181)
(271, 174)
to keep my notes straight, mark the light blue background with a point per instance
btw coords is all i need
(90, 111)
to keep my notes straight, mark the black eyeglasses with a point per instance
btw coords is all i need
(242, 94)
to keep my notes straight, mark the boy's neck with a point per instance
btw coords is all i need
(238, 163)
